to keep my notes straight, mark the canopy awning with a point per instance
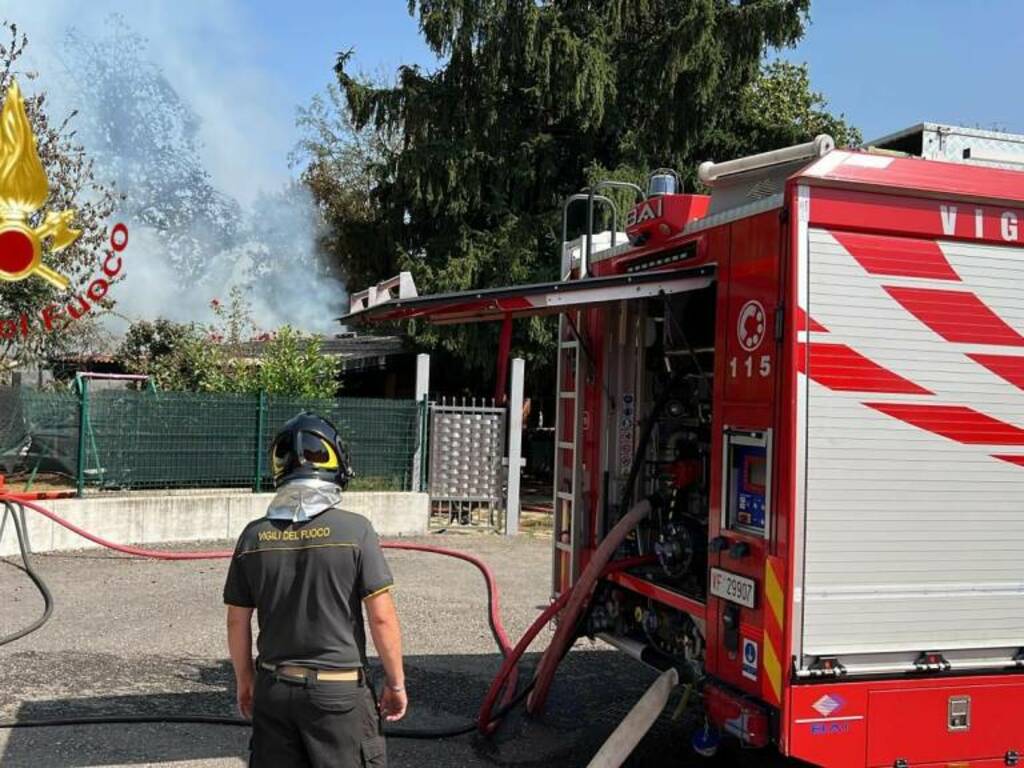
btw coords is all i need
(538, 299)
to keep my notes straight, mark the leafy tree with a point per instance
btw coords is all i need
(146, 137)
(148, 342)
(341, 165)
(190, 357)
(172, 353)
(73, 185)
(779, 109)
(292, 364)
(533, 101)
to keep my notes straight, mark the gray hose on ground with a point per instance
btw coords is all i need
(565, 635)
(638, 722)
(26, 566)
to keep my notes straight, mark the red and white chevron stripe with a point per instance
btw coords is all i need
(960, 321)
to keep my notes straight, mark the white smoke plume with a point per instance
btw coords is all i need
(198, 141)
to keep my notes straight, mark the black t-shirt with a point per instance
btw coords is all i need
(307, 582)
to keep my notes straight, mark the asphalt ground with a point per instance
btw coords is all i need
(143, 637)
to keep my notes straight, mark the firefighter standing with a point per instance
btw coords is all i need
(307, 568)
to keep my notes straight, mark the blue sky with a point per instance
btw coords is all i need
(888, 65)
(382, 33)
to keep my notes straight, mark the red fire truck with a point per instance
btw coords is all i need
(815, 374)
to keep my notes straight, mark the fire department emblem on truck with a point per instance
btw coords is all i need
(750, 326)
(23, 191)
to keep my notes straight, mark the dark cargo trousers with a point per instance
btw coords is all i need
(315, 724)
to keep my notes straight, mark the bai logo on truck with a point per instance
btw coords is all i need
(24, 190)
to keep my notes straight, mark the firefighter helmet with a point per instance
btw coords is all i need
(308, 447)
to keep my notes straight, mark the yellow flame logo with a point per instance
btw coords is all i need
(23, 191)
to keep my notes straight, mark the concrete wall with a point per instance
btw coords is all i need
(149, 518)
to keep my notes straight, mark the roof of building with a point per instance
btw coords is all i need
(347, 346)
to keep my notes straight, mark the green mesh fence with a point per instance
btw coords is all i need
(38, 430)
(170, 439)
(188, 440)
(12, 423)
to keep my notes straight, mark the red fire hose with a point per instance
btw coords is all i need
(494, 608)
(123, 548)
(505, 681)
(577, 603)
(486, 722)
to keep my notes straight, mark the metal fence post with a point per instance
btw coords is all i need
(424, 449)
(261, 423)
(419, 460)
(515, 448)
(83, 425)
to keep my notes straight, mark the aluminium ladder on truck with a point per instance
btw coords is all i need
(567, 506)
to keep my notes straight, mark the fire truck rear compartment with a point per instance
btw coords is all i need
(668, 460)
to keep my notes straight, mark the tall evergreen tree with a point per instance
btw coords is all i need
(536, 99)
